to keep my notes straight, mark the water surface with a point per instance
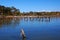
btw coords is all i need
(38, 28)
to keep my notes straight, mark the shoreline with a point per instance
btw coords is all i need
(25, 16)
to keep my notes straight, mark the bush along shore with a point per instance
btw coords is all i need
(6, 12)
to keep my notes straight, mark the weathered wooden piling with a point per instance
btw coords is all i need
(23, 34)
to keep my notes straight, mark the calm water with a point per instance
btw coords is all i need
(42, 28)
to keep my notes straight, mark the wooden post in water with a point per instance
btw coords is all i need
(23, 34)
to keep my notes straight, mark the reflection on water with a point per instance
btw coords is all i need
(14, 21)
(36, 28)
(9, 21)
(46, 19)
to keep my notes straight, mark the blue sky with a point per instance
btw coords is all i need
(33, 5)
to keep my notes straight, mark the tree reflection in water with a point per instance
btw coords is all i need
(16, 21)
(41, 19)
(9, 21)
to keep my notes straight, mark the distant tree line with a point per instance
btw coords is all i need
(9, 11)
(6, 11)
(41, 13)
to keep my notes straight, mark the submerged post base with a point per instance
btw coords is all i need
(23, 34)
